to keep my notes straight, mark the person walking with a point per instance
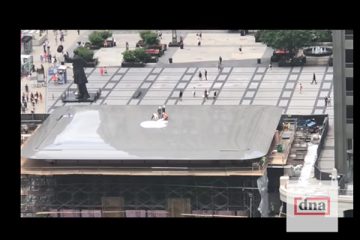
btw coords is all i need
(206, 94)
(205, 74)
(314, 79)
(40, 97)
(215, 94)
(127, 46)
(26, 88)
(329, 100)
(301, 88)
(200, 76)
(326, 101)
(220, 60)
(180, 95)
(194, 92)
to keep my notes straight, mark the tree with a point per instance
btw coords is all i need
(96, 39)
(129, 56)
(290, 40)
(85, 53)
(149, 37)
(143, 33)
(322, 36)
(137, 55)
(141, 55)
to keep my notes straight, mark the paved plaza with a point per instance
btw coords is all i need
(242, 81)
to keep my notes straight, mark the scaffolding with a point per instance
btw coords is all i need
(45, 196)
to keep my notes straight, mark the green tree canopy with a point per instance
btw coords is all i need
(290, 40)
(85, 53)
(137, 55)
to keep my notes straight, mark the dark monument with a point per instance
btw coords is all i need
(79, 75)
(80, 80)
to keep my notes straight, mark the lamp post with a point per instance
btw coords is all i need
(174, 36)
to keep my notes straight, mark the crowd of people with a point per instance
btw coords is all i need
(30, 100)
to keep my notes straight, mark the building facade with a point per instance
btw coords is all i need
(343, 100)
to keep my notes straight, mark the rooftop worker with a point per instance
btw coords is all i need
(159, 111)
(154, 116)
(165, 116)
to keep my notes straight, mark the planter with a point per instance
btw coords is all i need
(132, 64)
(174, 44)
(153, 59)
(92, 64)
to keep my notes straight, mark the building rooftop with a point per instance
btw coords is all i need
(128, 133)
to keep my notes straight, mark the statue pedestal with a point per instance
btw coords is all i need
(70, 96)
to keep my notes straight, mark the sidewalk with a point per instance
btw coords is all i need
(71, 38)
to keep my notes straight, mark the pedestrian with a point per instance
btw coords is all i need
(36, 100)
(270, 66)
(23, 109)
(62, 39)
(27, 97)
(219, 66)
(326, 101)
(205, 74)
(48, 48)
(194, 92)
(114, 42)
(49, 58)
(206, 95)
(33, 68)
(163, 109)
(199, 43)
(215, 94)
(26, 88)
(53, 97)
(36, 94)
(40, 96)
(44, 46)
(200, 35)
(301, 88)
(200, 75)
(23, 99)
(78, 32)
(220, 60)
(25, 105)
(105, 70)
(180, 95)
(127, 46)
(101, 71)
(33, 103)
(314, 79)
(329, 100)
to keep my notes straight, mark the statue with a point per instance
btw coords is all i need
(79, 75)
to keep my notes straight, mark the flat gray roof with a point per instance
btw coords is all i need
(126, 133)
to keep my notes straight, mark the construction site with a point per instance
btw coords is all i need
(203, 161)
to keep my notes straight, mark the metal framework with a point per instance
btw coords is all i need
(207, 194)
